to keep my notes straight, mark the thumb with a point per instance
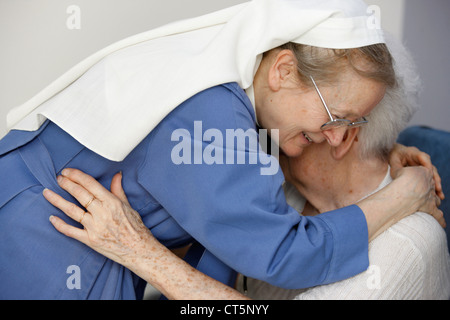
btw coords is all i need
(116, 188)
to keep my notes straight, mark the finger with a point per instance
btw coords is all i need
(438, 201)
(68, 230)
(117, 189)
(397, 159)
(69, 208)
(83, 196)
(438, 180)
(423, 159)
(415, 157)
(439, 216)
(87, 182)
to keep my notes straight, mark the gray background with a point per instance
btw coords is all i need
(427, 34)
(37, 46)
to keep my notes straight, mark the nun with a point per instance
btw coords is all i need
(153, 107)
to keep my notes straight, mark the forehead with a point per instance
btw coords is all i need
(354, 97)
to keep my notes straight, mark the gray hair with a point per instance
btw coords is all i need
(394, 112)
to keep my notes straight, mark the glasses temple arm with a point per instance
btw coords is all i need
(321, 98)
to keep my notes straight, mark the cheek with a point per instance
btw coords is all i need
(306, 116)
(303, 172)
(309, 167)
(314, 119)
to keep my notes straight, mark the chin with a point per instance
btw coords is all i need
(292, 151)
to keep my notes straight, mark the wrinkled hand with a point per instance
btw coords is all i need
(111, 226)
(402, 156)
(418, 186)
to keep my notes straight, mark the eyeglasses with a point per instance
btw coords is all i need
(337, 123)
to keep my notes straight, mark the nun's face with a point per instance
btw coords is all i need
(296, 110)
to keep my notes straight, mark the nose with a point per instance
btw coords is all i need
(335, 136)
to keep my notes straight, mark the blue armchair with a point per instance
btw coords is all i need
(437, 144)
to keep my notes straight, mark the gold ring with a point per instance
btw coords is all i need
(82, 217)
(89, 203)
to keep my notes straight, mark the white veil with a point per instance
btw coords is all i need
(110, 101)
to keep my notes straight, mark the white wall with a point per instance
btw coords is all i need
(37, 46)
(424, 27)
(427, 35)
(391, 15)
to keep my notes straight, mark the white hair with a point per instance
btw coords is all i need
(394, 112)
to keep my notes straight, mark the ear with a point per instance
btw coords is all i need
(343, 148)
(282, 69)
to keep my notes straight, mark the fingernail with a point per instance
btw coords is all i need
(65, 172)
(52, 219)
(59, 178)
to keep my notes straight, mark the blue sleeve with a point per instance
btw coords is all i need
(238, 214)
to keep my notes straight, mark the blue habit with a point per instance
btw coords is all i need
(238, 214)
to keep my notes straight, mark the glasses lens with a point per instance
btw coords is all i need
(337, 123)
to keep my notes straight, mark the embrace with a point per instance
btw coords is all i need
(328, 88)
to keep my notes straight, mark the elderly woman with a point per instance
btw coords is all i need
(406, 260)
(140, 104)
